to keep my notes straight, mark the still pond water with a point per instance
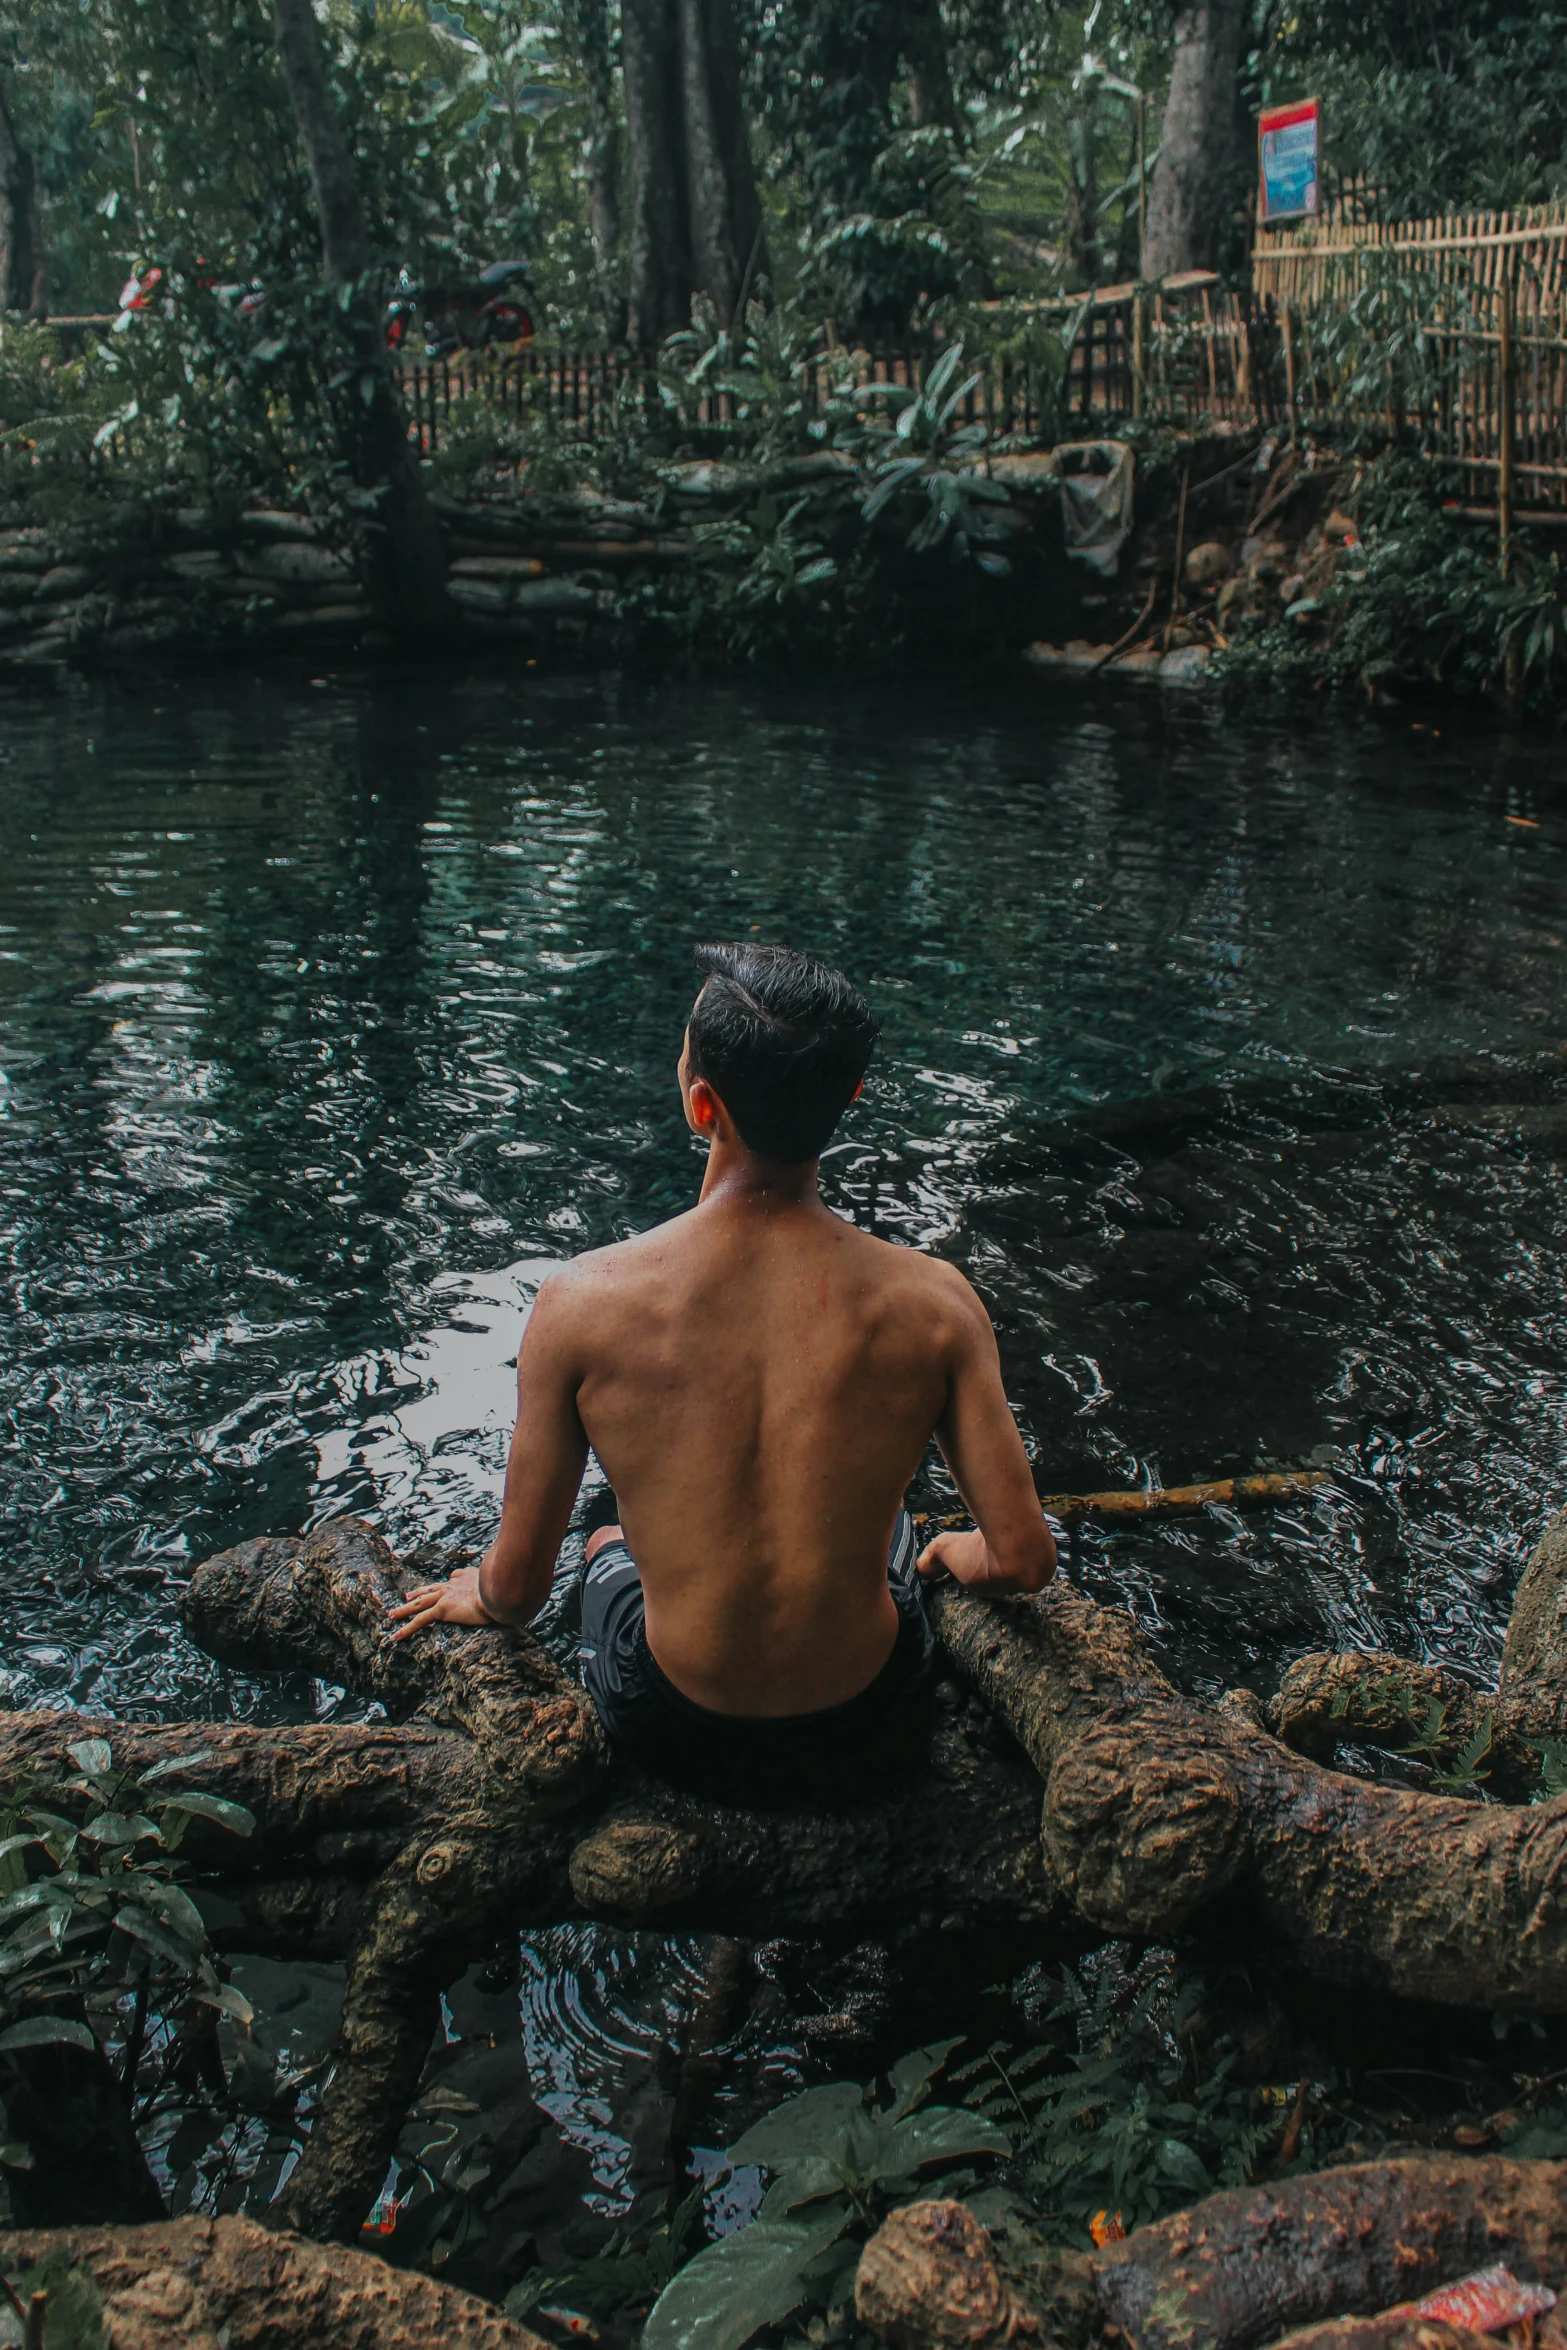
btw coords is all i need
(1228, 1054)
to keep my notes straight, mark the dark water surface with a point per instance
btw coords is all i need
(1220, 1049)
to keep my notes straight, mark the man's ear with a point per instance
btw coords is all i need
(704, 1105)
(859, 1089)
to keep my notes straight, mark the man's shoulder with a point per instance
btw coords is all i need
(604, 1273)
(914, 1277)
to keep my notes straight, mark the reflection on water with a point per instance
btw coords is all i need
(1221, 1053)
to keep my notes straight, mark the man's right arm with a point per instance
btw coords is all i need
(1012, 1548)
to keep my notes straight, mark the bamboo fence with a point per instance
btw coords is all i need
(1448, 335)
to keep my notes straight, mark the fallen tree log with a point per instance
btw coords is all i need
(1157, 1808)
(1334, 2258)
(1068, 1790)
(227, 2284)
(1386, 1701)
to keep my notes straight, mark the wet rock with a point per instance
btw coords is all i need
(1269, 559)
(293, 563)
(1294, 586)
(65, 579)
(265, 522)
(554, 595)
(200, 563)
(1239, 599)
(1032, 469)
(1185, 668)
(481, 595)
(1208, 564)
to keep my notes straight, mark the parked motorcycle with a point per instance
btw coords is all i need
(491, 308)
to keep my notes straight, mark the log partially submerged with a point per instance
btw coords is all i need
(1247, 2267)
(1064, 1787)
(1383, 1700)
(227, 2284)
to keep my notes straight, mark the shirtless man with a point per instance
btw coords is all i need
(759, 1380)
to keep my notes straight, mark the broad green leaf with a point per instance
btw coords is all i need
(940, 2133)
(1178, 2162)
(745, 2281)
(118, 1827)
(174, 1904)
(92, 1756)
(227, 2000)
(32, 1896)
(15, 2155)
(41, 2031)
(912, 2075)
(154, 1935)
(805, 2179)
(215, 1807)
(805, 2125)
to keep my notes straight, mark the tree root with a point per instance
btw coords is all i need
(1158, 1807)
(1382, 1700)
(1253, 2263)
(927, 2280)
(1077, 1795)
(1332, 2259)
(202, 2283)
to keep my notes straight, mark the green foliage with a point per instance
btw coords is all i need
(1424, 600)
(1125, 2127)
(74, 2314)
(626, 2278)
(1473, 119)
(925, 459)
(1553, 1771)
(97, 1934)
(839, 2161)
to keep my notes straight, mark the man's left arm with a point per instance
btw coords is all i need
(1011, 1547)
(549, 1450)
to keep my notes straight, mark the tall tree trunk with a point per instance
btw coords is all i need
(660, 244)
(1190, 179)
(587, 22)
(696, 221)
(932, 100)
(24, 277)
(723, 207)
(404, 558)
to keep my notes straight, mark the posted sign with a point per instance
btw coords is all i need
(1289, 140)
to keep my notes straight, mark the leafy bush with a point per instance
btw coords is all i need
(98, 1938)
(1105, 2121)
(1424, 601)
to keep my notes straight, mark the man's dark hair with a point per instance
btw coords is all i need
(783, 1042)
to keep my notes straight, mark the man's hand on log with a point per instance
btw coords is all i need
(969, 1559)
(456, 1601)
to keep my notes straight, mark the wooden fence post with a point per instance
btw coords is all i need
(1289, 365)
(1506, 401)
(1139, 351)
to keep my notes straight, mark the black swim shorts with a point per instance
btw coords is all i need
(643, 1710)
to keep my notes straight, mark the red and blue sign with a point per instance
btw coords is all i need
(1289, 139)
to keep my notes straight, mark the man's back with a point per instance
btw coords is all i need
(759, 1381)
